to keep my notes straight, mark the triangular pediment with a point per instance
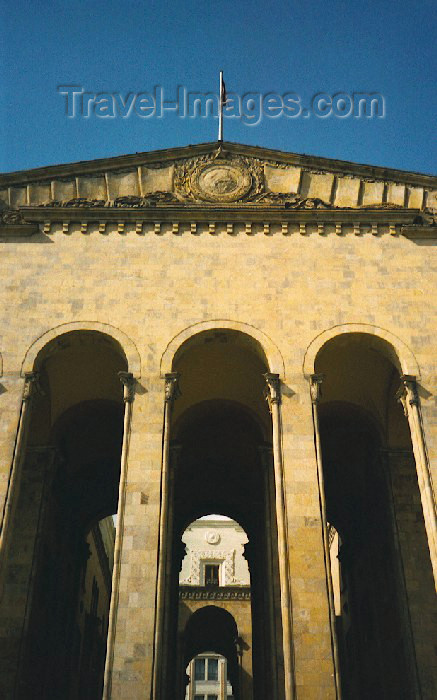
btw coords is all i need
(214, 174)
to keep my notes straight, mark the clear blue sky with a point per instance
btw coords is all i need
(383, 46)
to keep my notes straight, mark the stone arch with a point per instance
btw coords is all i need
(367, 477)
(383, 340)
(126, 345)
(213, 628)
(219, 614)
(221, 449)
(73, 477)
(270, 350)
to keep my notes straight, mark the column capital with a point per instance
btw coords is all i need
(407, 392)
(316, 387)
(172, 390)
(128, 381)
(273, 388)
(31, 379)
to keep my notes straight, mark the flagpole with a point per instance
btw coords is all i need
(220, 128)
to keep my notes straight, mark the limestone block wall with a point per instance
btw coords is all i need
(152, 287)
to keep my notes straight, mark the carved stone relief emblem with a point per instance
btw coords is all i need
(220, 182)
(218, 178)
(212, 537)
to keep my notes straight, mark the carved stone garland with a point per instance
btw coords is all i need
(228, 557)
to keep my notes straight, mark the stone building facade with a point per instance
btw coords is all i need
(222, 329)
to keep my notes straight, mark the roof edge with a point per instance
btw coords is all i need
(309, 161)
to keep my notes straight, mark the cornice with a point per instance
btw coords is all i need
(213, 212)
(420, 232)
(18, 230)
(219, 593)
(215, 524)
(232, 219)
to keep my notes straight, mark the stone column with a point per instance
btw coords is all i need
(239, 648)
(315, 385)
(391, 461)
(274, 397)
(179, 672)
(244, 649)
(128, 381)
(409, 398)
(184, 677)
(22, 569)
(173, 564)
(171, 391)
(222, 679)
(191, 674)
(267, 459)
(30, 379)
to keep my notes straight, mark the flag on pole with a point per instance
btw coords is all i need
(223, 96)
(222, 101)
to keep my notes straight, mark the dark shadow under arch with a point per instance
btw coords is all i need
(89, 437)
(219, 461)
(213, 629)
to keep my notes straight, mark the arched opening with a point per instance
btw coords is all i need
(211, 654)
(215, 571)
(221, 462)
(63, 527)
(377, 537)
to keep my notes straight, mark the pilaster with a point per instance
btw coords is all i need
(11, 392)
(418, 595)
(20, 569)
(311, 627)
(128, 382)
(409, 398)
(160, 659)
(315, 392)
(14, 472)
(133, 643)
(273, 395)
